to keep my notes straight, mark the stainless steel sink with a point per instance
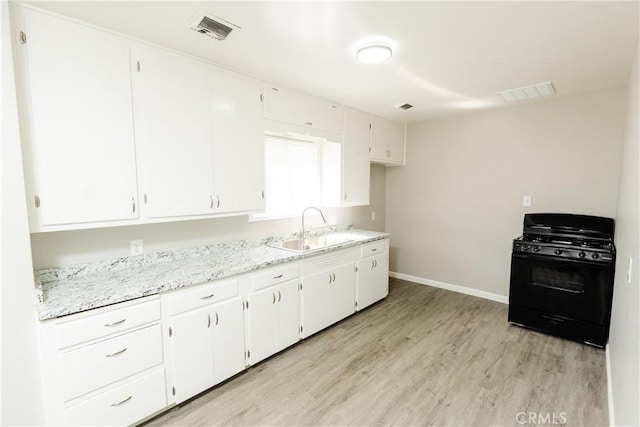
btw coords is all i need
(310, 243)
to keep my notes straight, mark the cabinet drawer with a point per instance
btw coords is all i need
(100, 325)
(374, 248)
(123, 405)
(274, 276)
(108, 361)
(200, 296)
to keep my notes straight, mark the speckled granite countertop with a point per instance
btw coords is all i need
(76, 288)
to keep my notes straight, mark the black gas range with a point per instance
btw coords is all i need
(562, 270)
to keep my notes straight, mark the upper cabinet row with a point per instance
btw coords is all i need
(120, 132)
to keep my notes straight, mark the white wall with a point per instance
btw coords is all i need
(20, 373)
(455, 207)
(624, 341)
(73, 247)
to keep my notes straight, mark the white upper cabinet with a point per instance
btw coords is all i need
(77, 124)
(387, 141)
(346, 166)
(285, 105)
(238, 164)
(172, 105)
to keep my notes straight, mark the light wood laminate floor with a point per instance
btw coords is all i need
(422, 356)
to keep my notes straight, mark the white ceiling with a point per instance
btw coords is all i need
(448, 56)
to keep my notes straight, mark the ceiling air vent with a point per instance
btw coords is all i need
(528, 92)
(212, 26)
(405, 106)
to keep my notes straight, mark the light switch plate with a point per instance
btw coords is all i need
(136, 247)
(526, 200)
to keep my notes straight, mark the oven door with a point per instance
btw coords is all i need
(577, 289)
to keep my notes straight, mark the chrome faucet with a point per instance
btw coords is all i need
(302, 232)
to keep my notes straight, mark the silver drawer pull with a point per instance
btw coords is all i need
(274, 298)
(217, 319)
(119, 322)
(117, 353)
(122, 402)
(374, 249)
(279, 296)
(278, 276)
(207, 297)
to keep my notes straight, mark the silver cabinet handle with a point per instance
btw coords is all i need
(211, 202)
(274, 298)
(279, 296)
(117, 353)
(278, 276)
(119, 322)
(374, 249)
(373, 264)
(208, 296)
(330, 278)
(334, 276)
(308, 123)
(122, 402)
(345, 195)
(208, 320)
(133, 204)
(217, 318)
(218, 204)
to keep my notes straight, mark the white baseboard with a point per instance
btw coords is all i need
(455, 288)
(612, 418)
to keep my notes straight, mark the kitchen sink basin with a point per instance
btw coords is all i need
(310, 243)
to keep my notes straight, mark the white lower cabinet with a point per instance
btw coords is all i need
(328, 289)
(206, 344)
(122, 364)
(105, 367)
(372, 278)
(273, 320)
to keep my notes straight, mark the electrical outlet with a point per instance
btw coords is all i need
(526, 200)
(136, 247)
(373, 215)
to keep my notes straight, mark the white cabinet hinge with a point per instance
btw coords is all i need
(23, 37)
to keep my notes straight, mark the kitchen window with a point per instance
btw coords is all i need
(292, 176)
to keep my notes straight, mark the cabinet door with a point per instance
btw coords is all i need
(372, 280)
(238, 163)
(327, 297)
(288, 315)
(288, 106)
(263, 325)
(228, 339)
(173, 119)
(355, 158)
(192, 347)
(82, 140)
(387, 141)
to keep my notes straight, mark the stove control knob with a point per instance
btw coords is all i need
(536, 249)
(595, 255)
(525, 247)
(582, 254)
(557, 252)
